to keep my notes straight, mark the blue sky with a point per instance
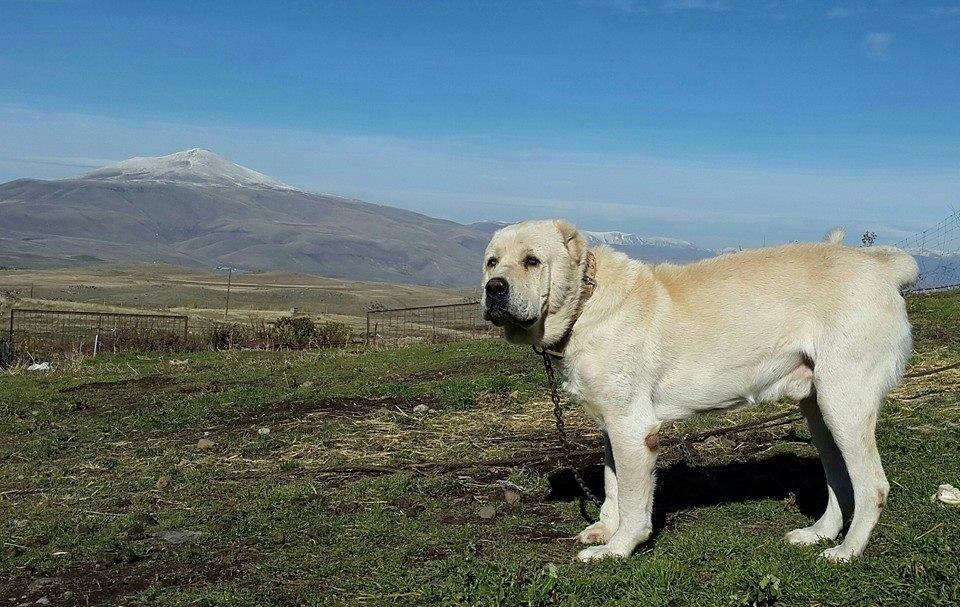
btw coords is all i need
(724, 122)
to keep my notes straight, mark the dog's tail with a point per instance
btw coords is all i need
(835, 236)
(902, 268)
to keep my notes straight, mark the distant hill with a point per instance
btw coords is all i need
(652, 249)
(195, 208)
(937, 268)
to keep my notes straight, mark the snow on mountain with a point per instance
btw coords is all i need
(194, 167)
(197, 208)
(626, 239)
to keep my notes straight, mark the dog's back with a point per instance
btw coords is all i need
(792, 275)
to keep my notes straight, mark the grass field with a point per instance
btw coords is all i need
(250, 478)
(202, 294)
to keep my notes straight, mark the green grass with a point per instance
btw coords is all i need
(100, 457)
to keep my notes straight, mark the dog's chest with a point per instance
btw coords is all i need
(587, 388)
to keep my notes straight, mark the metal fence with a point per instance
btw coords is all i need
(449, 322)
(35, 334)
(937, 251)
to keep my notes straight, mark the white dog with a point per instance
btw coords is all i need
(638, 345)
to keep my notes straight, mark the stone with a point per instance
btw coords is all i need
(42, 583)
(177, 536)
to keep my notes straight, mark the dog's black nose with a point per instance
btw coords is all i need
(497, 287)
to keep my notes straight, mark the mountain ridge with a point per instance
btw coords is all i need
(196, 208)
(196, 165)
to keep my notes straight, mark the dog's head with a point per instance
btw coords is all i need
(529, 271)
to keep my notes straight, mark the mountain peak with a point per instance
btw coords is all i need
(624, 238)
(195, 166)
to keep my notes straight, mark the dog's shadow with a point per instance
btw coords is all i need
(683, 487)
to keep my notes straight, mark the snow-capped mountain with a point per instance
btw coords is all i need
(195, 166)
(196, 208)
(199, 209)
(653, 249)
(626, 239)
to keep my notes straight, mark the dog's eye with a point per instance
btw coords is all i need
(530, 261)
(492, 262)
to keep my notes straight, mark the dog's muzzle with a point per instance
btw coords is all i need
(496, 297)
(497, 289)
(497, 304)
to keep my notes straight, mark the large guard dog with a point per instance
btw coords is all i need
(639, 345)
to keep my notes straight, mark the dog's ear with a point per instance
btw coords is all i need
(572, 239)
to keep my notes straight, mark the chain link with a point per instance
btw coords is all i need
(586, 493)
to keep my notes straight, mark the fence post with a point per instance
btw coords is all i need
(366, 339)
(96, 338)
(226, 308)
(10, 337)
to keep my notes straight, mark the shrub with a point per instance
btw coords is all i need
(294, 331)
(331, 334)
(225, 335)
(303, 332)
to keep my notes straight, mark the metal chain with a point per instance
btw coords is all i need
(586, 493)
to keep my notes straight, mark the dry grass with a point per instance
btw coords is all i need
(95, 438)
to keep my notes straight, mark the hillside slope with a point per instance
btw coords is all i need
(195, 208)
(202, 218)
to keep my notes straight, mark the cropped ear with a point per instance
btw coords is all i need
(572, 239)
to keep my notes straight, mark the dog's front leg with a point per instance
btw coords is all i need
(601, 531)
(635, 458)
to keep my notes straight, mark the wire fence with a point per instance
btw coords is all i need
(33, 334)
(937, 251)
(18, 290)
(448, 322)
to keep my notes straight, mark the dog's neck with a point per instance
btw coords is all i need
(558, 327)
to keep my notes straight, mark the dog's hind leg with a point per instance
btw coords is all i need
(839, 490)
(601, 531)
(849, 408)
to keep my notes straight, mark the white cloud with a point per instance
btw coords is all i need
(623, 6)
(693, 5)
(945, 11)
(843, 12)
(61, 161)
(877, 45)
(647, 6)
(713, 201)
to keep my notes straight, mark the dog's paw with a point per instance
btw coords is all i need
(597, 533)
(838, 554)
(595, 553)
(806, 536)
